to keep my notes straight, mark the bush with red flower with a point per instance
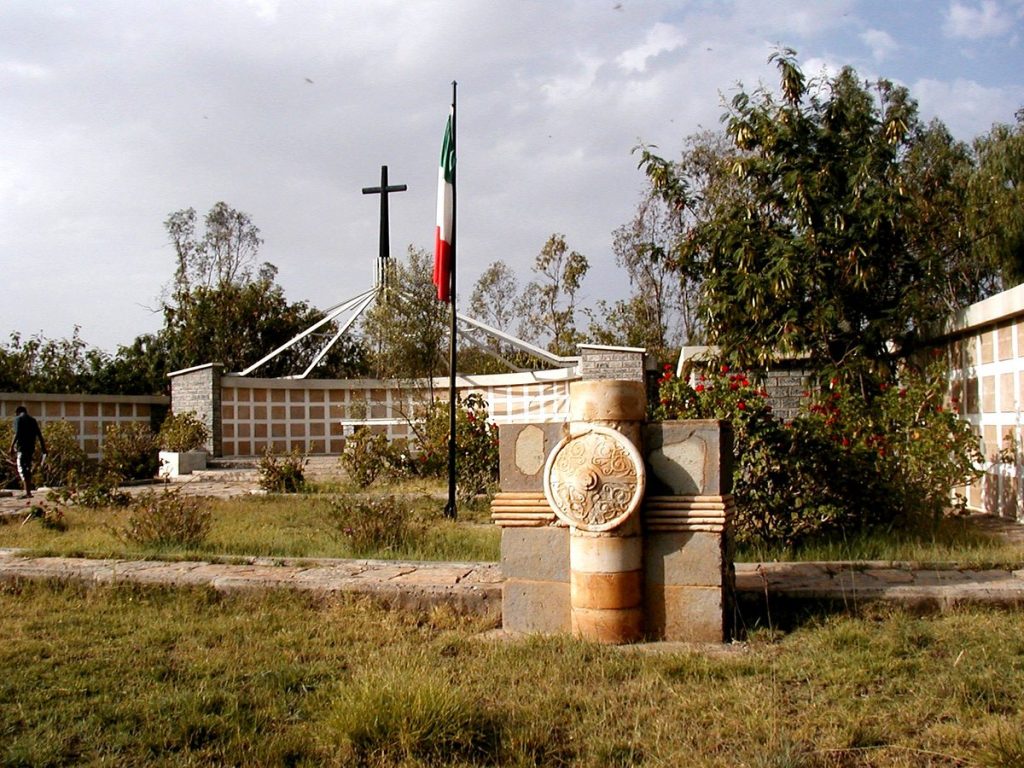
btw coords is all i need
(850, 460)
(476, 444)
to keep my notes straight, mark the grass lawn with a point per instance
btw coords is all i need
(149, 676)
(314, 525)
(297, 525)
(955, 540)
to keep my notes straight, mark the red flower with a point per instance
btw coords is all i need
(725, 369)
(741, 405)
(699, 388)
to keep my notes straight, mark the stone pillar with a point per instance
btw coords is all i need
(198, 390)
(687, 520)
(594, 481)
(534, 544)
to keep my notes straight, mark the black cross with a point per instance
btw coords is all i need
(383, 190)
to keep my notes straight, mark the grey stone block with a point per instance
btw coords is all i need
(689, 457)
(536, 607)
(536, 554)
(685, 614)
(692, 558)
(522, 451)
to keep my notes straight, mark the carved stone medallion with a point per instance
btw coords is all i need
(594, 479)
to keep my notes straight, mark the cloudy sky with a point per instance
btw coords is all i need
(114, 113)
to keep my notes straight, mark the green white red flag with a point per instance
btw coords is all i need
(445, 211)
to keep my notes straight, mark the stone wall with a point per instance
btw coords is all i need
(985, 347)
(198, 390)
(90, 415)
(621, 363)
(253, 415)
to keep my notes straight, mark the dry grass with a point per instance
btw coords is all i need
(133, 676)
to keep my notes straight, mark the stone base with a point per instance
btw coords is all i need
(686, 614)
(536, 594)
(535, 607)
(174, 464)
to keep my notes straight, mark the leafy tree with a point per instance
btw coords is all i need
(996, 196)
(407, 327)
(224, 254)
(818, 249)
(39, 364)
(219, 311)
(238, 323)
(497, 301)
(550, 300)
(660, 313)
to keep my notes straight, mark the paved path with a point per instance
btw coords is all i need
(476, 587)
(855, 584)
(466, 587)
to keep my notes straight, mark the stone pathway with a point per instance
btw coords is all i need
(855, 584)
(476, 587)
(473, 588)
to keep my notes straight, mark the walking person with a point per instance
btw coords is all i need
(26, 432)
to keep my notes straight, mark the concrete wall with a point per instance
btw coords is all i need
(985, 348)
(246, 416)
(89, 414)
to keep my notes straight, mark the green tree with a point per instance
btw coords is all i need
(220, 311)
(996, 195)
(406, 330)
(550, 300)
(817, 250)
(660, 313)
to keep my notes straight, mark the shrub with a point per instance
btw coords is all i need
(364, 456)
(130, 451)
(182, 432)
(65, 458)
(849, 461)
(372, 525)
(476, 444)
(91, 489)
(368, 455)
(282, 473)
(167, 519)
(51, 518)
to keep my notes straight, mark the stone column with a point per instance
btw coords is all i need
(594, 480)
(198, 390)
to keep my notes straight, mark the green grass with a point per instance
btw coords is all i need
(271, 526)
(150, 676)
(302, 525)
(955, 540)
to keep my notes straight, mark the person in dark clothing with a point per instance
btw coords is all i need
(26, 432)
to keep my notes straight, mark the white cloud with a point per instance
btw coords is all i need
(880, 42)
(968, 108)
(660, 39)
(24, 69)
(977, 22)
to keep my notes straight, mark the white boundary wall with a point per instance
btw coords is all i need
(985, 343)
(315, 416)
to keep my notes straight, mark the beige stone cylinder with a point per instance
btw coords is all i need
(606, 568)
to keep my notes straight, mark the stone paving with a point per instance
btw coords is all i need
(476, 587)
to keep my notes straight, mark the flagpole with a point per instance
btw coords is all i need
(450, 508)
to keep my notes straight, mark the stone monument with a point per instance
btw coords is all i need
(613, 529)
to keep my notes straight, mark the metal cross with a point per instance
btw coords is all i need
(383, 190)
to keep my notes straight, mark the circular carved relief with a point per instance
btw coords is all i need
(595, 479)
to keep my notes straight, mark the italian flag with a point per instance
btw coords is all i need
(443, 234)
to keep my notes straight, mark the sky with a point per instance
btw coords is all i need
(116, 113)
